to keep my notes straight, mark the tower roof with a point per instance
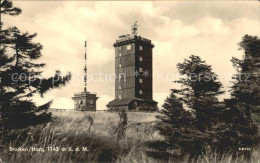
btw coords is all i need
(127, 39)
(126, 101)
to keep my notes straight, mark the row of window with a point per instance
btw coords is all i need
(129, 47)
(140, 81)
(122, 76)
(140, 92)
(140, 59)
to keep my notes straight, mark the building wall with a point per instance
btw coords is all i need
(124, 68)
(86, 103)
(146, 64)
(127, 61)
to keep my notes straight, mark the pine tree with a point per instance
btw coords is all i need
(246, 87)
(177, 126)
(21, 78)
(245, 97)
(6, 7)
(189, 113)
(200, 88)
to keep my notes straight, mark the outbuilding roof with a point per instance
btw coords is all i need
(127, 101)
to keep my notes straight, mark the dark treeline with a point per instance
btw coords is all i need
(194, 121)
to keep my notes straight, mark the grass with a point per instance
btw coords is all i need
(95, 130)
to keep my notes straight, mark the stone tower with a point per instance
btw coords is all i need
(133, 70)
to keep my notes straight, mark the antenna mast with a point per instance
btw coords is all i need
(85, 69)
(134, 29)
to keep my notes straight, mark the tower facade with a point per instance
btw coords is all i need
(133, 71)
(85, 101)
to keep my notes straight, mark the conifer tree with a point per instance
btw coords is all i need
(245, 98)
(246, 86)
(200, 88)
(20, 75)
(187, 131)
(6, 8)
(177, 125)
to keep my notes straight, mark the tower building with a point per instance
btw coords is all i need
(133, 71)
(85, 101)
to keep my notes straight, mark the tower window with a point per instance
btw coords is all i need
(120, 54)
(119, 87)
(140, 58)
(140, 92)
(91, 101)
(119, 96)
(140, 80)
(128, 47)
(119, 47)
(120, 65)
(122, 76)
(140, 47)
(140, 69)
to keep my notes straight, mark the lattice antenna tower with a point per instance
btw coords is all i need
(85, 69)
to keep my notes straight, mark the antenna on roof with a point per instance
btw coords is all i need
(85, 69)
(134, 28)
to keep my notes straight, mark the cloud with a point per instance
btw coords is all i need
(178, 29)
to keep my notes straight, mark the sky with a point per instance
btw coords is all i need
(209, 29)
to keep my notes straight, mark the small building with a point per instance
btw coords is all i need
(132, 104)
(133, 72)
(85, 101)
